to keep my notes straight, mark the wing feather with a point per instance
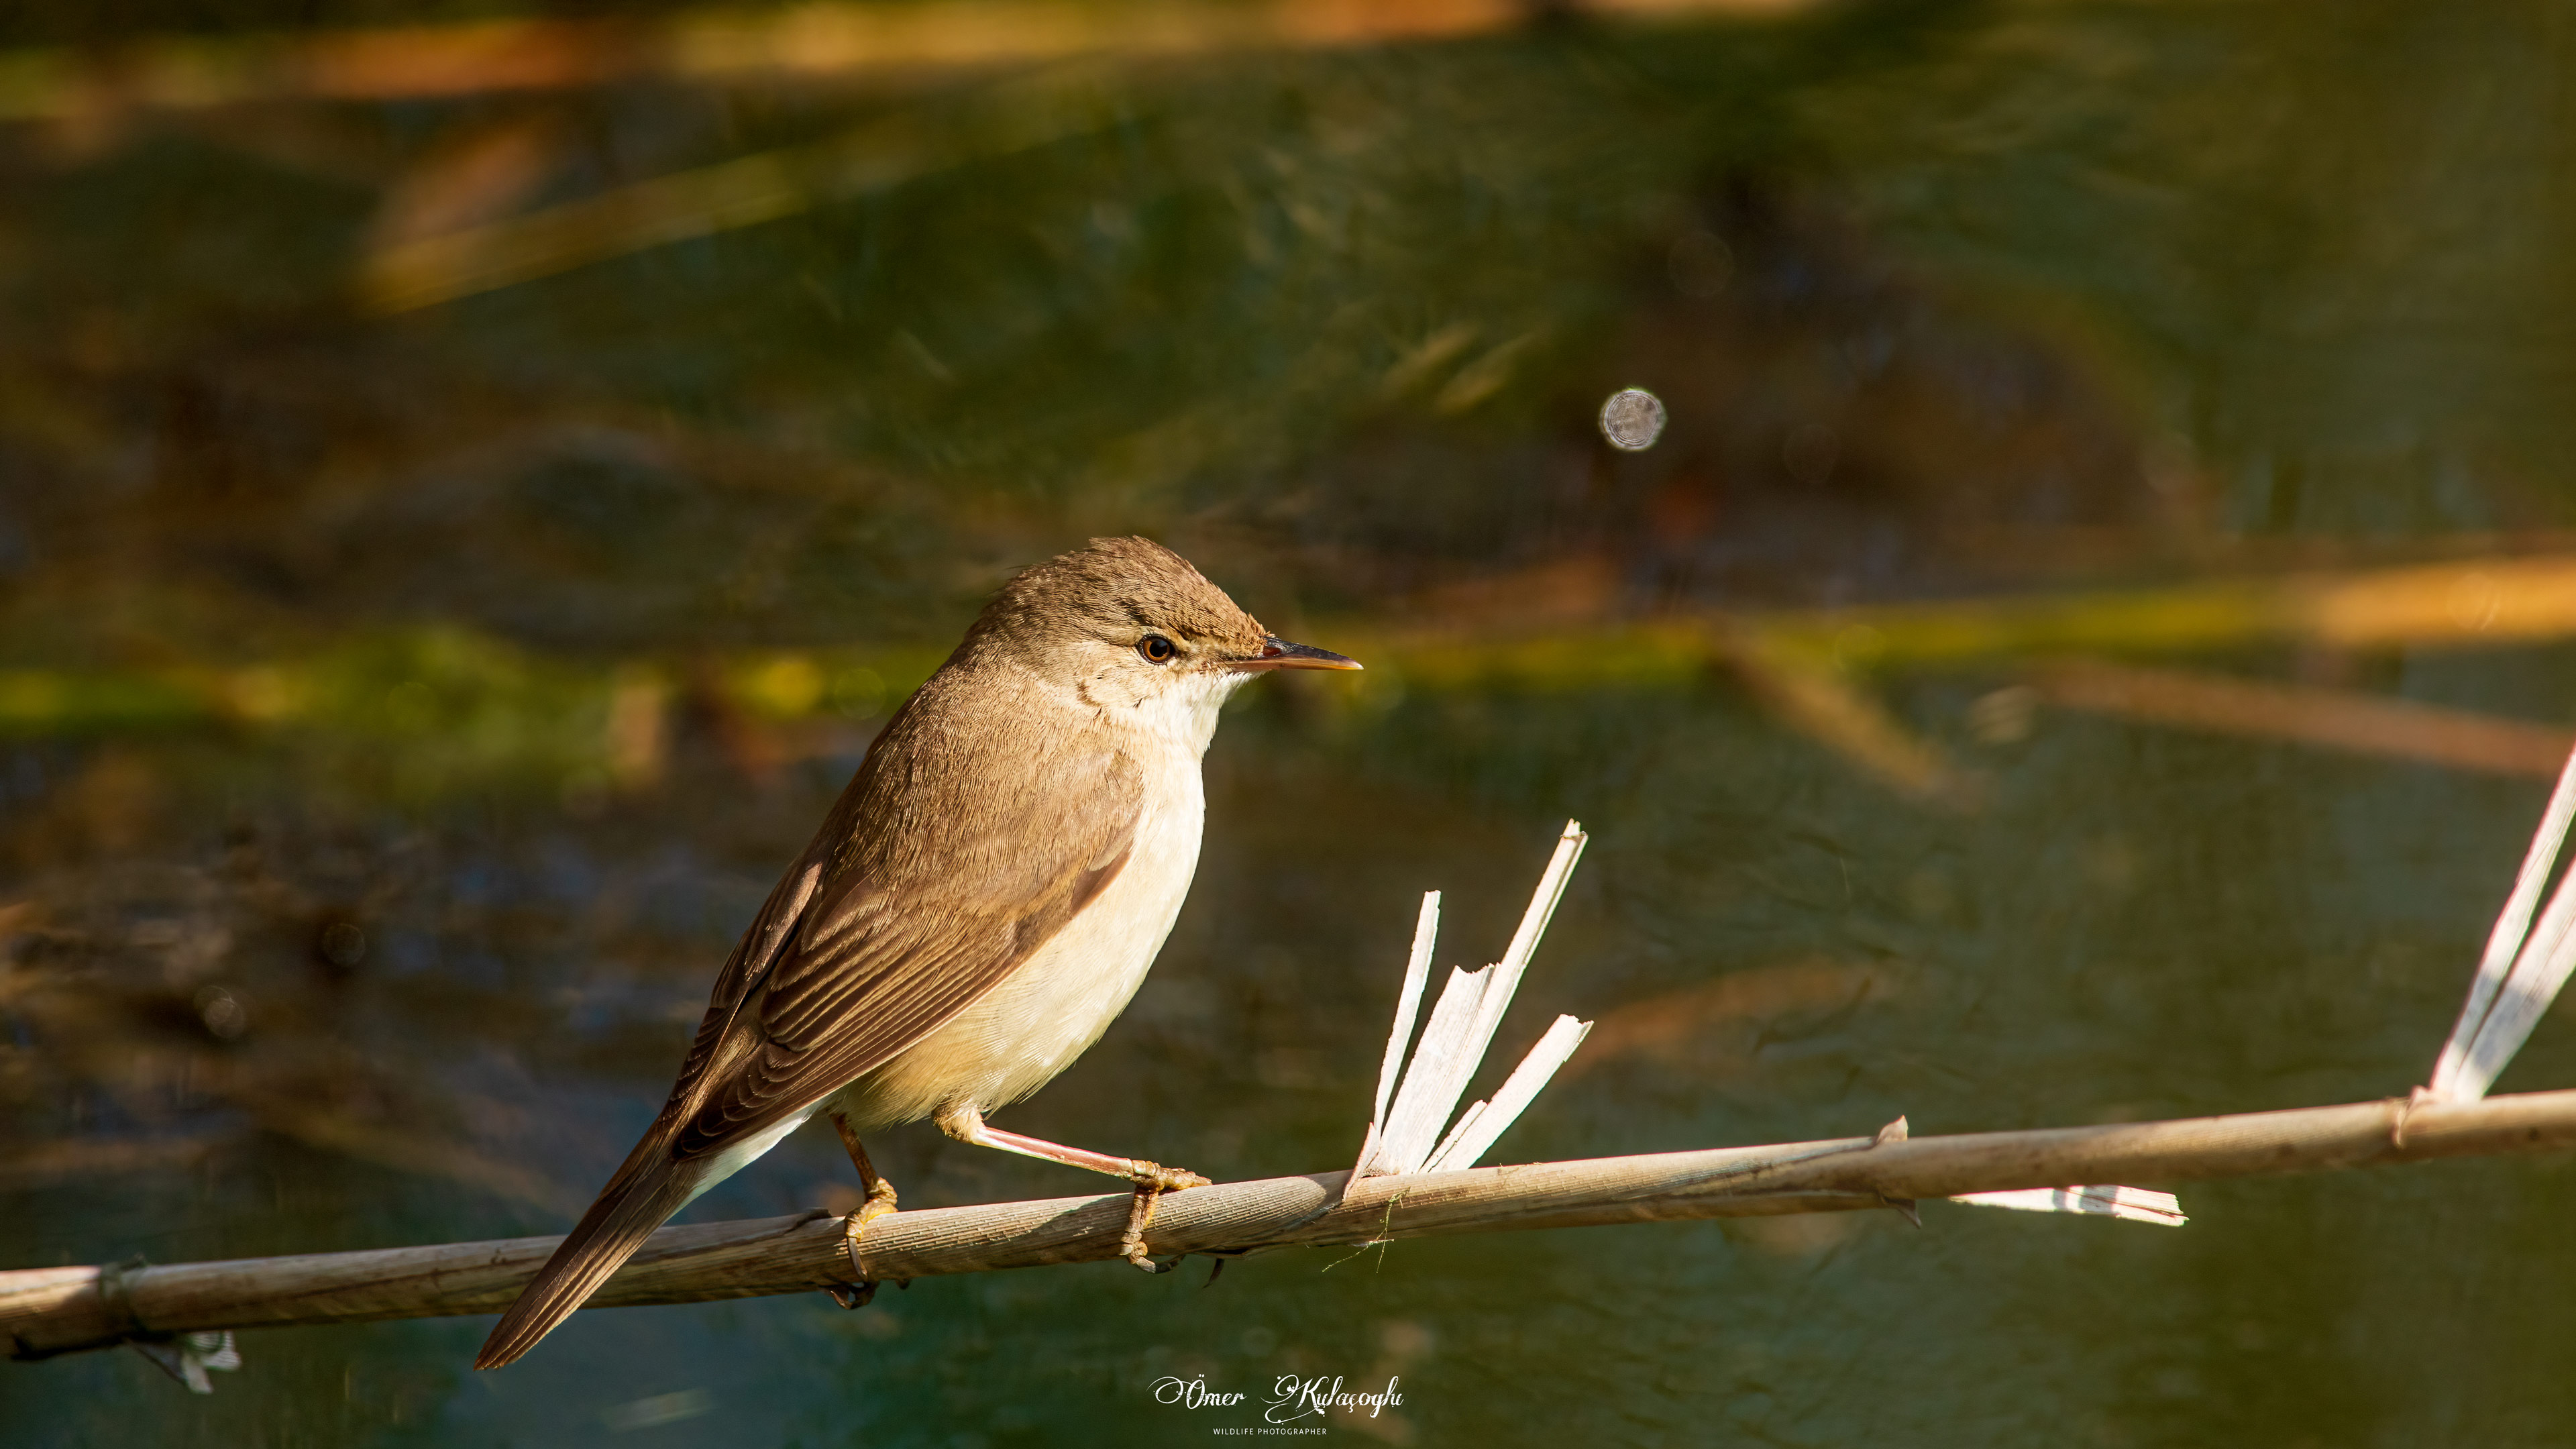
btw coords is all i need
(882, 958)
(930, 882)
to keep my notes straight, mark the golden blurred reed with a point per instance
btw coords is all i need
(471, 707)
(1058, 57)
(739, 46)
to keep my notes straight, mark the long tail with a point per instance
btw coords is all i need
(640, 1198)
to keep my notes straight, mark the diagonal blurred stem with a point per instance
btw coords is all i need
(2335, 719)
(1010, 116)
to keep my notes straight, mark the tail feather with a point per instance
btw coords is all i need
(636, 1203)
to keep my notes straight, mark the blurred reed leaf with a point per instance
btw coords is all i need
(1012, 116)
(439, 707)
(836, 42)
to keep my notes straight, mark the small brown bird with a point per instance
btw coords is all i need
(974, 912)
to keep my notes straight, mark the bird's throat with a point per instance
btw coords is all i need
(1185, 714)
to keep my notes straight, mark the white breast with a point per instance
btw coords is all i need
(1023, 1032)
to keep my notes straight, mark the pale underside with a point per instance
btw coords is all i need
(1031, 1026)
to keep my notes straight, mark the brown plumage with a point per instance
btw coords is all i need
(976, 908)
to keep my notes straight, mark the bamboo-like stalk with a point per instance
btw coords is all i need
(48, 1311)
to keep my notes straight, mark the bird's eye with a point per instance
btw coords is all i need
(1156, 649)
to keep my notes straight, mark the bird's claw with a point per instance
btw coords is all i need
(1160, 1178)
(879, 1204)
(1152, 1180)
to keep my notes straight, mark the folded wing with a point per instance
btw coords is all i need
(921, 892)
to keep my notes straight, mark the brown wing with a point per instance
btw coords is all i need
(926, 886)
(885, 949)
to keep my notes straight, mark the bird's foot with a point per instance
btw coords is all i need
(880, 1202)
(1152, 1180)
(1131, 1243)
(965, 1122)
(1161, 1179)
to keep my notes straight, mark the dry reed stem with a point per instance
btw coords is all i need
(47, 1311)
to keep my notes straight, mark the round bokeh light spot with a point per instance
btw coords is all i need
(1632, 419)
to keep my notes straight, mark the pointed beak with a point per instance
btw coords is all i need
(1278, 653)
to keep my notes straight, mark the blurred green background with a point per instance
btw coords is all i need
(467, 498)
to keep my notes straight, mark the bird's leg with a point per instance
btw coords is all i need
(1151, 1179)
(966, 1124)
(879, 1203)
(880, 1192)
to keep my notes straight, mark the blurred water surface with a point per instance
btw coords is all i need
(453, 547)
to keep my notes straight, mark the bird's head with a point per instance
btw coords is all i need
(1125, 623)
